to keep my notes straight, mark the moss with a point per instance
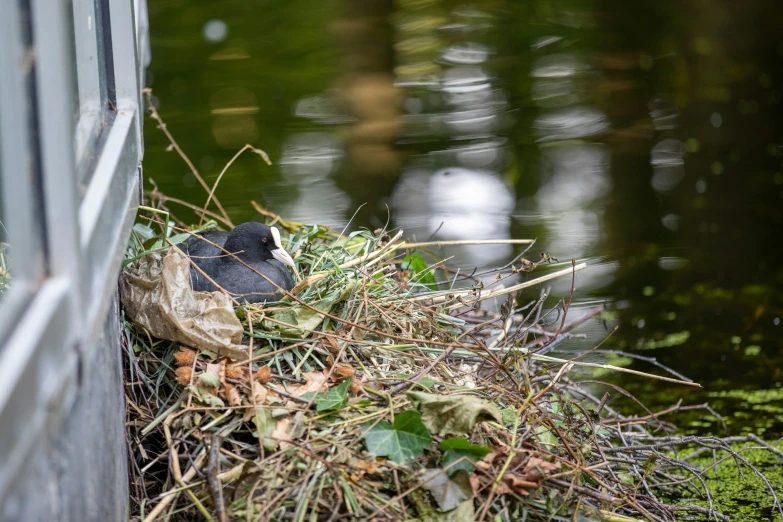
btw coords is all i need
(752, 396)
(673, 339)
(744, 497)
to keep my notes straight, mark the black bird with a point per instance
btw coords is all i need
(253, 243)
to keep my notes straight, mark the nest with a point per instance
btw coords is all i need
(378, 389)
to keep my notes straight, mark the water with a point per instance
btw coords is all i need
(644, 138)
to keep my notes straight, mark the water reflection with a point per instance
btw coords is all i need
(653, 153)
(309, 159)
(573, 168)
(458, 203)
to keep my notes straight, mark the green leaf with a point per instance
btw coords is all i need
(304, 319)
(448, 492)
(427, 382)
(335, 398)
(402, 442)
(544, 434)
(212, 401)
(144, 231)
(209, 381)
(421, 272)
(265, 425)
(464, 513)
(457, 414)
(509, 414)
(179, 238)
(461, 452)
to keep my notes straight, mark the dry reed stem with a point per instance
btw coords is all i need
(222, 172)
(162, 126)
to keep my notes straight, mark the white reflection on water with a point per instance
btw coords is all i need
(570, 123)
(465, 79)
(672, 263)
(457, 203)
(558, 66)
(574, 176)
(664, 115)
(465, 53)
(668, 152)
(307, 162)
(668, 160)
(320, 108)
(555, 93)
(469, 199)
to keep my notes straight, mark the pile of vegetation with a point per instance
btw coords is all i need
(378, 389)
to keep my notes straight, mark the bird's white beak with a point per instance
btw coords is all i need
(279, 252)
(284, 257)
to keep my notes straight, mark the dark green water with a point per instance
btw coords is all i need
(643, 137)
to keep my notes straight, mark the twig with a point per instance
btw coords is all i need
(162, 126)
(213, 470)
(225, 168)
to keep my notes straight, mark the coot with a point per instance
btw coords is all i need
(255, 244)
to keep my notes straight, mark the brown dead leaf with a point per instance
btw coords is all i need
(183, 375)
(526, 472)
(281, 433)
(185, 356)
(222, 371)
(331, 344)
(521, 486)
(362, 467)
(475, 483)
(342, 371)
(264, 374)
(502, 488)
(232, 394)
(288, 429)
(235, 372)
(314, 382)
(356, 387)
(259, 392)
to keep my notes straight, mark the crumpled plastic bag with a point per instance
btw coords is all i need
(156, 294)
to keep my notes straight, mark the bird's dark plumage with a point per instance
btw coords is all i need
(255, 244)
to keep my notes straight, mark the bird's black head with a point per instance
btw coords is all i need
(253, 241)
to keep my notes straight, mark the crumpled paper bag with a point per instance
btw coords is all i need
(156, 294)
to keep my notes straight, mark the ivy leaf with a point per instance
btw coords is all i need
(456, 414)
(336, 398)
(461, 452)
(422, 274)
(402, 442)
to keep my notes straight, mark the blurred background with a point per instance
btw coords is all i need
(644, 137)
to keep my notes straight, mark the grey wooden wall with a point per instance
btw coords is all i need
(71, 118)
(80, 473)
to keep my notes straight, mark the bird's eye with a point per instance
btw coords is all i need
(264, 240)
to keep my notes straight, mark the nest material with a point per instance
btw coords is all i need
(373, 393)
(368, 394)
